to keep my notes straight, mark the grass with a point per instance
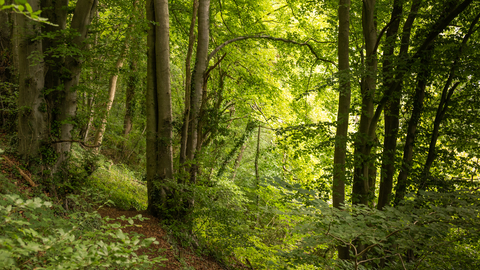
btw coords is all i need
(121, 186)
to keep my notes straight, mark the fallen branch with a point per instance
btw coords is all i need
(25, 176)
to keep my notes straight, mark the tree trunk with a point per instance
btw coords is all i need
(159, 109)
(424, 53)
(422, 81)
(443, 106)
(257, 158)
(237, 161)
(392, 108)
(6, 69)
(32, 117)
(339, 170)
(130, 98)
(67, 106)
(197, 84)
(365, 137)
(46, 96)
(390, 118)
(112, 89)
(188, 86)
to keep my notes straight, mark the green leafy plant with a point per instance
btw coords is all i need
(24, 8)
(34, 237)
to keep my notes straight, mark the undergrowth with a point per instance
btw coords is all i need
(34, 234)
(42, 232)
(124, 187)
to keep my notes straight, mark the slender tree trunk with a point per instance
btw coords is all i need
(257, 158)
(392, 109)
(365, 137)
(197, 84)
(159, 109)
(422, 81)
(391, 121)
(131, 84)
(425, 54)
(112, 90)
(188, 85)
(90, 103)
(130, 98)
(444, 101)
(6, 67)
(339, 170)
(237, 161)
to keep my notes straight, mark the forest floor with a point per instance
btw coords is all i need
(177, 257)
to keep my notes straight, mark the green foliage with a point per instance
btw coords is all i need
(6, 186)
(34, 236)
(24, 8)
(422, 226)
(121, 185)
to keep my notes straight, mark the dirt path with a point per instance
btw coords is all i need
(177, 259)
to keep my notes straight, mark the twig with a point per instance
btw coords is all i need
(401, 259)
(25, 176)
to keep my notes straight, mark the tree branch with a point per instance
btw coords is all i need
(25, 176)
(440, 26)
(269, 38)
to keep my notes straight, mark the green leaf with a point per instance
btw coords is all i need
(29, 8)
(1, 4)
(120, 234)
(21, 1)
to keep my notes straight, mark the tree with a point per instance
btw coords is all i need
(197, 89)
(48, 79)
(339, 170)
(159, 109)
(365, 138)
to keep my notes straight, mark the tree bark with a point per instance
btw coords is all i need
(130, 98)
(422, 81)
(82, 17)
(188, 86)
(198, 84)
(257, 158)
(32, 117)
(339, 170)
(365, 137)
(112, 90)
(47, 86)
(159, 109)
(392, 109)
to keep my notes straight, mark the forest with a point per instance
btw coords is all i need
(263, 134)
